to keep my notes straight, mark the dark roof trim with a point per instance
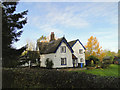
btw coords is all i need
(80, 43)
(74, 57)
(66, 44)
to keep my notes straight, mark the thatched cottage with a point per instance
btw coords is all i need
(61, 52)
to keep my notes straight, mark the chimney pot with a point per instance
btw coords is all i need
(52, 36)
(52, 32)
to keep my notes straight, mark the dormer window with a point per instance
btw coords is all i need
(63, 49)
(81, 59)
(81, 51)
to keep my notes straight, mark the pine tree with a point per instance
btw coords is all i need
(12, 23)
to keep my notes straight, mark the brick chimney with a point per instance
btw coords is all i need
(52, 36)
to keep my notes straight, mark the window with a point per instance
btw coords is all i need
(63, 49)
(81, 59)
(63, 61)
(81, 51)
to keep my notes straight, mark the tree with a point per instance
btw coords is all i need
(110, 54)
(33, 56)
(93, 48)
(31, 45)
(12, 23)
(107, 60)
(30, 53)
(102, 55)
(49, 63)
(41, 38)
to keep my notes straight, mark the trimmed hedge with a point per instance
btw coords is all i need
(47, 78)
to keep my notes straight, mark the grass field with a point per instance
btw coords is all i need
(112, 70)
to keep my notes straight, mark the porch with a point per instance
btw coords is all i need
(75, 62)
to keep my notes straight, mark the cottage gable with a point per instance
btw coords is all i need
(72, 43)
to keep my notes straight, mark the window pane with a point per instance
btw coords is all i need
(63, 61)
(81, 60)
(63, 49)
(81, 51)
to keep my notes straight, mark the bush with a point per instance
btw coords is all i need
(92, 63)
(106, 62)
(99, 65)
(83, 65)
(49, 63)
(93, 60)
(105, 65)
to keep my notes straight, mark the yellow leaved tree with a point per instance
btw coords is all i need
(93, 48)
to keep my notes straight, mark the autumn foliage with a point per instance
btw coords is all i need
(93, 48)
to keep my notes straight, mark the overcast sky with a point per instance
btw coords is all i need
(78, 20)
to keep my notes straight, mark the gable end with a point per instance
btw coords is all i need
(66, 44)
(79, 42)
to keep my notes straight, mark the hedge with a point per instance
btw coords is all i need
(52, 78)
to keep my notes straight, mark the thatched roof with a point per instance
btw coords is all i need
(51, 47)
(71, 43)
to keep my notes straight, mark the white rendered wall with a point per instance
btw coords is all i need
(67, 55)
(56, 58)
(76, 48)
(44, 57)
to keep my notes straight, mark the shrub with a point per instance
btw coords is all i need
(93, 60)
(99, 65)
(104, 65)
(49, 63)
(92, 63)
(83, 65)
(106, 62)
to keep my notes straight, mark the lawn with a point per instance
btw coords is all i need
(112, 70)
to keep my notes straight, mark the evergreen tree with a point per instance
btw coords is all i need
(12, 23)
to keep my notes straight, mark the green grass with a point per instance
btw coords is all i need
(112, 70)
